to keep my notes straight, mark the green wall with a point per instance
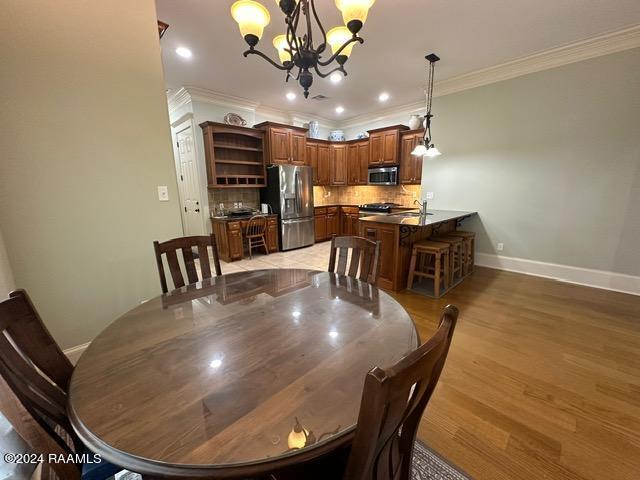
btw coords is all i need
(86, 142)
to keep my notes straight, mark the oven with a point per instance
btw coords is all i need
(383, 176)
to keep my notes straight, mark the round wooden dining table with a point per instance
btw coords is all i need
(238, 375)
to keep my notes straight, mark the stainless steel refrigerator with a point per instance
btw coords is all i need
(289, 192)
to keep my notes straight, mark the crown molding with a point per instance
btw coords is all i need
(187, 94)
(613, 42)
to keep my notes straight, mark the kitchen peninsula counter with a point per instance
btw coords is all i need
(397, 233)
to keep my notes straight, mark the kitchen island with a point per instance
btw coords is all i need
(397, 233)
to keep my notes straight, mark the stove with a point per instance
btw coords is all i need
(377, 208)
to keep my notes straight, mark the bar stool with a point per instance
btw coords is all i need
(456, 255)
(433, 262)
(470, 246)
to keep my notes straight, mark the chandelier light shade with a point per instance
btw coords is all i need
(338, 36)
(354, 11)
(251, 17)
(280, 42)
(299, 55)
(425, 145)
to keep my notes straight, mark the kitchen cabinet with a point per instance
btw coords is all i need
(384, 145)
(320, 215)
(358, 163)
(271, 235)
(318, 156)
(333, 222)
(389, 238)
(349, 216)
(312, 158)
(410, 170)
(338, 164)
(285, 144)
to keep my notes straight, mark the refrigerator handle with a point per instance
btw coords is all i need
(298, 192)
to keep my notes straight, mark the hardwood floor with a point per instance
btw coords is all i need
(542, 379)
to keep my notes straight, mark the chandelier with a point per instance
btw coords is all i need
(296, 50)
(425, 145)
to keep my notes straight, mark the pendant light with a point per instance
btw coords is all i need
(425, 145)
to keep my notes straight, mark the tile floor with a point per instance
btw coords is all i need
(315, 257)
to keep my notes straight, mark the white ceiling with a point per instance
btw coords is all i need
(467, 34)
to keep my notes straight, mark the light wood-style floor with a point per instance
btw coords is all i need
(542, 379)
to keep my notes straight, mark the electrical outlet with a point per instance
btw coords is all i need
(239, 204)
(235, 204)
(163, 193)
(500, 247)
(429, 195)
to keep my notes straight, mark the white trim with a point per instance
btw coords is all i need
(617, 282)
(73, 353)
(612, 42)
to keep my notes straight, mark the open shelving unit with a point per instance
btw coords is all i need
(235, 156)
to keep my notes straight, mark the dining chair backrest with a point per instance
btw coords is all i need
(364, 261)
(393, 401)
(186, 245)
(257, 226)
(35, 368)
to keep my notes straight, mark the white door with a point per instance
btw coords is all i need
(188, 178)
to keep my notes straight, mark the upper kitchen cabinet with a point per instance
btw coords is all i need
(410, 165)
(358, 162)
(284, 144)
(234, 155)
(317, 156)
(338, 164)
(384, 145)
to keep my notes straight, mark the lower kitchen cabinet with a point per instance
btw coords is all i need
(350, 216)
(321, 224)
(388, 250)
(333, 222)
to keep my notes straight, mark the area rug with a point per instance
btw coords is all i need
(428, 465)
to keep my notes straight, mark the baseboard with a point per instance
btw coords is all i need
(617, 282)
(73, 353)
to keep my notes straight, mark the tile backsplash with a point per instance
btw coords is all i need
(357, 195)
(250, 197)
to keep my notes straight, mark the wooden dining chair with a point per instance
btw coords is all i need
(38, 373)
(364, 261)
(186, 245)
(255, 233)
(393, 401)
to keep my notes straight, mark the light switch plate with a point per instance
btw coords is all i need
(429, 195)
(163, 193)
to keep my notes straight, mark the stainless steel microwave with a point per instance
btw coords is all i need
(383, 176)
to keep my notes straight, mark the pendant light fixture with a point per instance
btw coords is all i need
(295, 47)
(425, 145)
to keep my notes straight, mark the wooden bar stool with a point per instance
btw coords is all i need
(456, 255)
(470, 247)
(433, 262)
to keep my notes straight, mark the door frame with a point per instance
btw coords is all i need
(184, 122)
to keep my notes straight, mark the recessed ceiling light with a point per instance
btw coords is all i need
(384, 96)
(291, 96)
(339, 109)
(335, 77)
(184, 52)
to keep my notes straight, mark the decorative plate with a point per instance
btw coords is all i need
(235, 120)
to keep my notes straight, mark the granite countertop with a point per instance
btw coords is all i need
(432, 217)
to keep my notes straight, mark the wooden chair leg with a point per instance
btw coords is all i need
(264, 244)
(447, 271)
(412, 267)
(436, 279)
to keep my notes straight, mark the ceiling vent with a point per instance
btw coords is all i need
(319, 97)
